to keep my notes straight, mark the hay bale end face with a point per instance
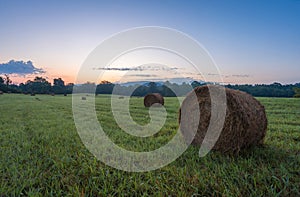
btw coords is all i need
(154, 98)
(245, 121)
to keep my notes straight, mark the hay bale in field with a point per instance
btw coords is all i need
(65, 94)
(151, 99)
(52, 94)
(1, 92)
(245, 121)
(83, 98)
(32, 94)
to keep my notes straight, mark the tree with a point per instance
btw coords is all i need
(59, 82)
(297, 92)
(59, 86)
(105, 87)
(69, 88)
(39, 85)
(7, 80)
(152, 87)
(1, 80)
(196, 84)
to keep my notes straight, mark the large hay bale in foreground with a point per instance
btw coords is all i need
(153, 98)
(245, 121)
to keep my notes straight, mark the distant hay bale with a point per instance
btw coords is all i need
(154, 98)
(65, 94)
(1, 92)
(32, 94)
(52, 94)
(83, 98)
(245, 121)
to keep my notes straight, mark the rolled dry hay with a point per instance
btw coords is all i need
(245, 121)
(154, 98)
(1, 92)
(83, 98)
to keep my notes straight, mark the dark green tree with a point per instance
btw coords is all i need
(7, 80)
(297, 92)
(105, 87)
(1, 80)
(39, 85)
(58, 86)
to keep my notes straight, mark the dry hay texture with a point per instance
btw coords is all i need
(245, 121)
(153, 98)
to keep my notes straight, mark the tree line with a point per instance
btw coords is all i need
(40, 85)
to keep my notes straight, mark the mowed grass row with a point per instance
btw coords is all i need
(42, 154)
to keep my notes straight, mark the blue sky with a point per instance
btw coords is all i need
(258, 39)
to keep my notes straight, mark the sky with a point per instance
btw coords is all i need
(251, 41)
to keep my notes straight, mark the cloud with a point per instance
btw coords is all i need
(139, 68)
(19, 68)
(242, 76)
(228, 76)
(143, 75)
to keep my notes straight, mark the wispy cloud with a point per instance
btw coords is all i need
(228, 76)
(241, 76)
(119, 69)
(19, 68)
(143, 75)
(138, 68)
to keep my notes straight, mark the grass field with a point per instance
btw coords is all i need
(42, 154)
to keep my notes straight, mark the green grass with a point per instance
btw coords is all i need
(42, 154)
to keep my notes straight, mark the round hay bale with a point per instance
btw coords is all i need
(245, 121)
(83, 98)
(153, 98)
(52, 94)
(1, 92)
(32, 94)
